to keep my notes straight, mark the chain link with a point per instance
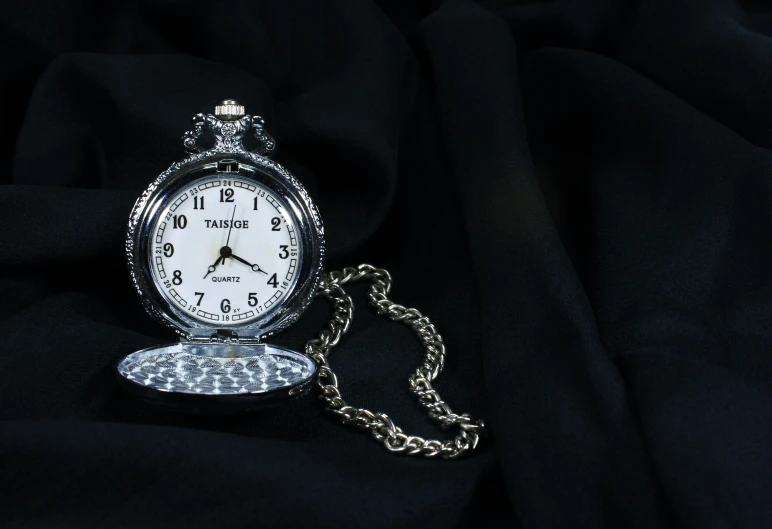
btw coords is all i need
(380, 425)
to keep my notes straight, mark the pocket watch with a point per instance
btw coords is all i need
(225, 247)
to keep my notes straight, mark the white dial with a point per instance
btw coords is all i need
(225, 250)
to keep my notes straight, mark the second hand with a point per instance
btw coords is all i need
(230, 229)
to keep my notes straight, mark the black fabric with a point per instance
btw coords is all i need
(578, 194)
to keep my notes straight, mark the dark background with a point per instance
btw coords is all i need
(579, 194)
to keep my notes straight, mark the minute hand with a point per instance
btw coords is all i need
(254, 267)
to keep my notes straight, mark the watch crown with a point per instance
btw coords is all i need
(229, 110)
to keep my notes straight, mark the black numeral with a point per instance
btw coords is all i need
(284, 253)
(273, 281)
(252, 301)
(168, 249)
(180, 221)
(255, 208)
(225, 306)
(198, 202)
(275, 223)
(177, 277)
(226, 195)
(200, 297)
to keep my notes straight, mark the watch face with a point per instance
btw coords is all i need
(225, 250)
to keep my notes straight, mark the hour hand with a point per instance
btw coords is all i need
(213, 267)
(255, 268)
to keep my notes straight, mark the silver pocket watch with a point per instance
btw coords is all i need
(227, 248)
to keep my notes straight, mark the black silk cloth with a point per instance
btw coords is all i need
(579, 194)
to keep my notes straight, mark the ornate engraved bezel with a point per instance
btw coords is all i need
(252, 166)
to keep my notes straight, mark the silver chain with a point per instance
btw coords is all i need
(380, 425)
